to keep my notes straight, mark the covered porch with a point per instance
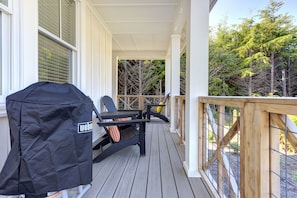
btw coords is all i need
(159, 173)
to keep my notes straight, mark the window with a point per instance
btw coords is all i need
(54, 61)
(4, 2)
(56, 40)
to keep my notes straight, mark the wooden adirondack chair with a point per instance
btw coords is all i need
(110, 106)
(117, 138)
(157, 111)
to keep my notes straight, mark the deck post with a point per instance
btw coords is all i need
(254, 152)
(196, 79)
(175, 77)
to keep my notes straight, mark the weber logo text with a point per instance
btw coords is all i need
(85, 127)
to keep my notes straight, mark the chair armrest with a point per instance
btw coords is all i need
(122, 123)
(118, 114)
(149, 106)
(155, 105)
(133, 110)
(130, 110)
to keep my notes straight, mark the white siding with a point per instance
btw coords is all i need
(96, 53)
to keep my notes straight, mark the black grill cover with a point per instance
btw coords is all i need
(51, 139)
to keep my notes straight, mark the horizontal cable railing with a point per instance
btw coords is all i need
(247, 146)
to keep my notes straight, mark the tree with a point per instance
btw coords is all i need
(274, 33)
(141, 77)
(223, 62)
(255, 57)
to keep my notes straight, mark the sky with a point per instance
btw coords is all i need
(233, 10)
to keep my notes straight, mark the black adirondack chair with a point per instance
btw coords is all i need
(109, 104)
(111, 107)
(134, 134)
(156, 110)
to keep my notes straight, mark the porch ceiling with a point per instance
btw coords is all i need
(142, 29)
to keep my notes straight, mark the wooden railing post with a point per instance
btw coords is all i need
(254, 152)
(140, 102)
(221, 119)
(275, 156)
(182, 118)
(176, 113)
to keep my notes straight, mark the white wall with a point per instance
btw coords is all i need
(96, 55)
(93, 74)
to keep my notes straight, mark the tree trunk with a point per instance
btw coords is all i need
(250, 78)
(272, 73)
(126, 83)
(289, 78)
(140, 78)
(284, 82)
(250, 85)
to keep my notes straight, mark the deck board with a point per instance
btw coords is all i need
(127, 178)
(154, 179)
(167, 172)
(182, 182)
(114, 178)
(158, 174)
(140, 180)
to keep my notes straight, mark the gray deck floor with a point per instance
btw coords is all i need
(159, 173)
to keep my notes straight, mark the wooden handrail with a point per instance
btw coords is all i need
(132, 102)
(258, 129)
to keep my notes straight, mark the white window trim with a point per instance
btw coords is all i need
(56, 38)
(6, 55)
(6, 9)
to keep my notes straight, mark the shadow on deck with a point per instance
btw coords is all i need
(158, 174)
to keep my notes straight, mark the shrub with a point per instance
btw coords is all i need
(235, 146)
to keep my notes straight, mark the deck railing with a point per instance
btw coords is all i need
(179, 103)
(131, 102)
(247, 146)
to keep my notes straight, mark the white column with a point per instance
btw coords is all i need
(175, 76)
(167, 74)
(197, 78)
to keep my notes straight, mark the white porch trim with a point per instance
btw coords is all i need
(197, 77)
(175, 76)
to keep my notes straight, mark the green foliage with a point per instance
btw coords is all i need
(293, 118)
(294, 176)
(248, 59)
(211, 137)
(235, 146)
(155, 73)
(183, 74)
(286, 145)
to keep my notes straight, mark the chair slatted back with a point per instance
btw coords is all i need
(109, 104)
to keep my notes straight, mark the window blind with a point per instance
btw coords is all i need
(55, 61)
(5, 2)
(68, 21)
(49, 15)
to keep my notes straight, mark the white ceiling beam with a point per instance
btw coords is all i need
(137, 55)
(132, 4)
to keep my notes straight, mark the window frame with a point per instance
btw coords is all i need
(6, 47)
